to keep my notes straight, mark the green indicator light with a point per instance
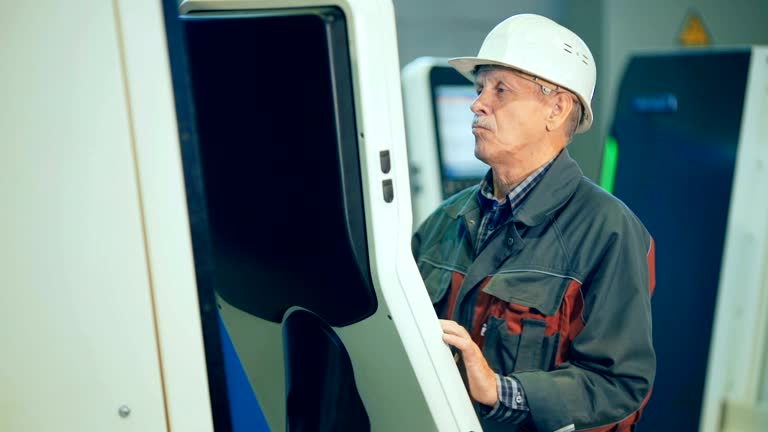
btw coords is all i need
(610, 159)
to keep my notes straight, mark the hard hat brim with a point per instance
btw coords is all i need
(466, 67)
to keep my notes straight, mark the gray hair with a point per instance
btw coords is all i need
(574, 118)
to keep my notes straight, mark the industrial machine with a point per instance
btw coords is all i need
(208, 218)
(687, 153)
(298, 193)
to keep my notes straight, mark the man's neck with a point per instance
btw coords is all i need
(506, 177)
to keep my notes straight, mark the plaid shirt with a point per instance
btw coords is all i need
(512, 406)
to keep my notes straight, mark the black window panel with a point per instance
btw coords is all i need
(279, 159)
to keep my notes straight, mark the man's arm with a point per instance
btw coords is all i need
(502, 398)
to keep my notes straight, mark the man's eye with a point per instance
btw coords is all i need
(478, 91)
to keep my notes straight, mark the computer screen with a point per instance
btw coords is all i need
(452, 95)
(454, 121)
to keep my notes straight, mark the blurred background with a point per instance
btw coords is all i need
(613, 30)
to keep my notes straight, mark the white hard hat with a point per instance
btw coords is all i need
(543, 48)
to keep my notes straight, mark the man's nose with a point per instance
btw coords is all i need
(479, 107)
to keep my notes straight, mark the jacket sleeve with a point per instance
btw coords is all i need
(416, 245)
(612, 363)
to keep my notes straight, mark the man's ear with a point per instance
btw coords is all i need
(561, 106)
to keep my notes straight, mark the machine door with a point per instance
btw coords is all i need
(276, 209)
(295, 172)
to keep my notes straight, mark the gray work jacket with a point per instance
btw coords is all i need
(559, 298)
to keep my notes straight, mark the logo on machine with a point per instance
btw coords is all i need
(694, 33)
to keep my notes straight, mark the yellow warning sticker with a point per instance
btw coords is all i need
(694, 33)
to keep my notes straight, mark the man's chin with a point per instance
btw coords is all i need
(479, 153)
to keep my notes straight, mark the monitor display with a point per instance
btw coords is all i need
(454, 129)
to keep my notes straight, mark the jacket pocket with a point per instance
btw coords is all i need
(536, 351)
(540, 291)
(529, 350)
(500, 347)
(529, 307)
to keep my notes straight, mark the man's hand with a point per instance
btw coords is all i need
(482, 379)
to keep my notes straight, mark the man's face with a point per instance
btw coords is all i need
(510, 113)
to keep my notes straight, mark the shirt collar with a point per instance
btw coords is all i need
(516, 195)
(552, 192)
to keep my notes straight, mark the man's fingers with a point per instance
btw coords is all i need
(455, 335)
(452, 327)
(457, 341)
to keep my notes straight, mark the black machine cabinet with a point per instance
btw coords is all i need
(677, 128)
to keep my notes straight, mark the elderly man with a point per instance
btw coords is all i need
(543, 280)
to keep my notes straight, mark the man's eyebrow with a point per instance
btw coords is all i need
(515, 84)
(505, 83)
(484, 81)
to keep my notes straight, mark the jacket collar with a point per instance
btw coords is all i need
(553, 191)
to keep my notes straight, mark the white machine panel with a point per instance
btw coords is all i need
(80, 351)
(736, 393)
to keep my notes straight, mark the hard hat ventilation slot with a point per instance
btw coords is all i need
(569, 49)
